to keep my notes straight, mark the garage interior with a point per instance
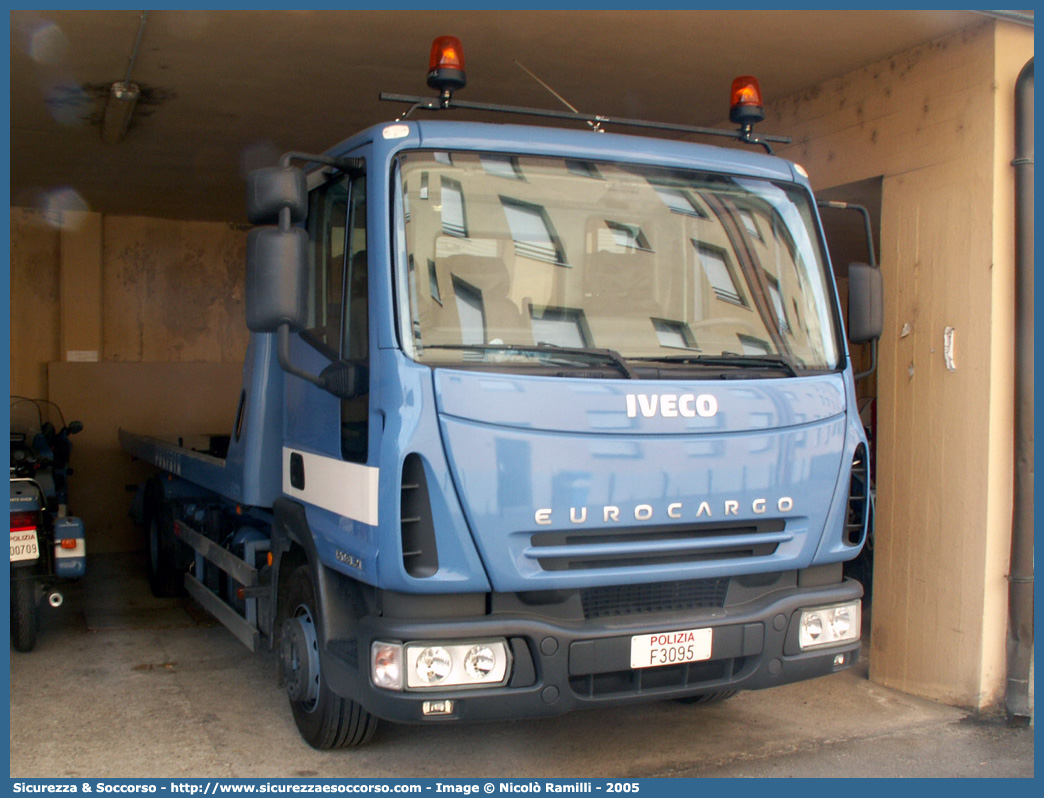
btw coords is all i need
(127, 245)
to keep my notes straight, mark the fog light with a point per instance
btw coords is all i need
(433, 665)
(437, 707)
(479, 662)
(826, 626)
(386, 665)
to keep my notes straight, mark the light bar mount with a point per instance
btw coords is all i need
(444, 102)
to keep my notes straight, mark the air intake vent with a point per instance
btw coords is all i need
(858, 498)
(632, 547)
(622, 600)
(419, 555)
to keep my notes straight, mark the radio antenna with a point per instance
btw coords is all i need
(595, 126)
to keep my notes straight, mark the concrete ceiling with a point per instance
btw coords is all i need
(227, 91)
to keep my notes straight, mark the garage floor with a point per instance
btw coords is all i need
(123, 684)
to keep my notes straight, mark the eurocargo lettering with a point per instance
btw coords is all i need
(646, 512)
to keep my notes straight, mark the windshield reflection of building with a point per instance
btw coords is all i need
(617, 260)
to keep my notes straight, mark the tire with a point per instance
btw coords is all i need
(24, 612)
(324, 719)
(708, 698)
(165, 575)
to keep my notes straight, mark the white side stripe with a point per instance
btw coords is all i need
(348, 489)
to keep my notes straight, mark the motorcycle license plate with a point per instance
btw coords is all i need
(671, 648)
(24, 545)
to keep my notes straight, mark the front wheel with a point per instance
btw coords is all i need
(24, 614)
(324, 719)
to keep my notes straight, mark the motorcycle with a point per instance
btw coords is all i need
(47, 544)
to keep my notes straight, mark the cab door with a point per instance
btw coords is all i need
(327, 450)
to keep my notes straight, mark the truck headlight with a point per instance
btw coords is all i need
(827, 626)
(479, 662)
(434, 665)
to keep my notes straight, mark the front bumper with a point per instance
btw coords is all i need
(559, 666)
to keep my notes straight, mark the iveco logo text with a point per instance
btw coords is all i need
(645, 512)
(671, 405)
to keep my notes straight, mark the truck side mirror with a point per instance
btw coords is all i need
(865, 303)
(278, 265)
(345, 380)
(276, 278)
(277, 257)
(272, 189)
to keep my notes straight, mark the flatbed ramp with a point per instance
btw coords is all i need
(187, 462)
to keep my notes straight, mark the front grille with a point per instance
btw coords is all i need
(648, 680)
(659, 545)
(618, 600)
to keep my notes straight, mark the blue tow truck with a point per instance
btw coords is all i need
(532, 420)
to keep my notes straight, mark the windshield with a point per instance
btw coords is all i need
(525, 259)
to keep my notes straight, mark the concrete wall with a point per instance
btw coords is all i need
(936, 124)
(128, 322)
(35, 260)
(173, 291)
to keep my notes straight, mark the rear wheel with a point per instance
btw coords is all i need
(324, 719)
(708, 698)
(165, 576)
(24, 614)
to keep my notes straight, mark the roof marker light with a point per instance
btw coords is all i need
(446, 65)
(745, 106)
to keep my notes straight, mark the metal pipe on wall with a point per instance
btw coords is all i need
(1018, 17)
(123, 96)
(1020, 571)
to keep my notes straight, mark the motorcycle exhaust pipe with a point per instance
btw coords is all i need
(55, 599)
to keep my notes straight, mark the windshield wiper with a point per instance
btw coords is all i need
(604, 355)
(728, 360)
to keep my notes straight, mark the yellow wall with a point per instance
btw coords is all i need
(936, 123)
